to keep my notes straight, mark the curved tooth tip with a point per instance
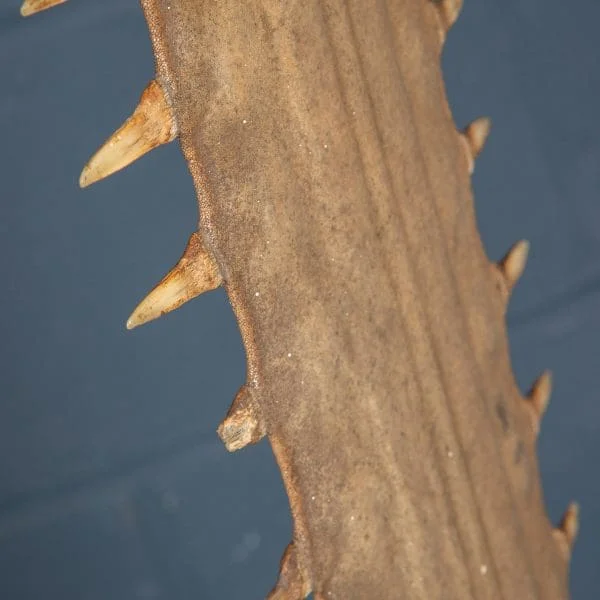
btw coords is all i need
(151, 124)
(291, 583)
(513, 264)
(567, 530)
(474, 136)
(539, 395)
(449, 11)
(477, 133)
(195, 273)
(30, 7)
(242, 425)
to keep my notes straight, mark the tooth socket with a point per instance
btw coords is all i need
(242, 425)
(290, 584)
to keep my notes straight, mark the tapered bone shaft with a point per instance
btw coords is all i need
(151, 124)
(195, 273)
(329, 175)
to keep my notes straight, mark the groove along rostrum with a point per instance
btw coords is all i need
(153, 123)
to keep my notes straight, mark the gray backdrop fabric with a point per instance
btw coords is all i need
(113, 483)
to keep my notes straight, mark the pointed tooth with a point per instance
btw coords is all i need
(474, 137)
(195, 273)
(538, 398)
(291, 584)
(448, 11)
(30, 7)
(151, 124)
(477, 133)
(569, 524)
(242, 425)
(567, 530)
(513, 264)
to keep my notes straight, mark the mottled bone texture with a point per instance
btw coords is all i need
(335, 196)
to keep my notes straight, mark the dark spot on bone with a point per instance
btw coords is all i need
(502, 415)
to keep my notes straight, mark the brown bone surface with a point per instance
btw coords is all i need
(335, 197)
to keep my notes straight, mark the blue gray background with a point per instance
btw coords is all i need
(113, 483)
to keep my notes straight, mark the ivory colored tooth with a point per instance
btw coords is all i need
(291, 584)
(151, 124)
(508, 270)
(474, 137)
(448, 11)
(30, 7)
(539, 397)
(242, 425)
(513, 264)
(195, 273)
(567, 530)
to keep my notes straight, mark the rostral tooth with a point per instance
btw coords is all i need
(242, 425)
(539, 397)
(30, 7)
(474, 137)
(291, 584)
(566, 532)
(195, 273)
(151, 124)
(514, 262)
(448, 11)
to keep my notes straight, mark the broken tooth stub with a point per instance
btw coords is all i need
(30, 7)
(195, 273)
(151, 124)
(242, 425)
